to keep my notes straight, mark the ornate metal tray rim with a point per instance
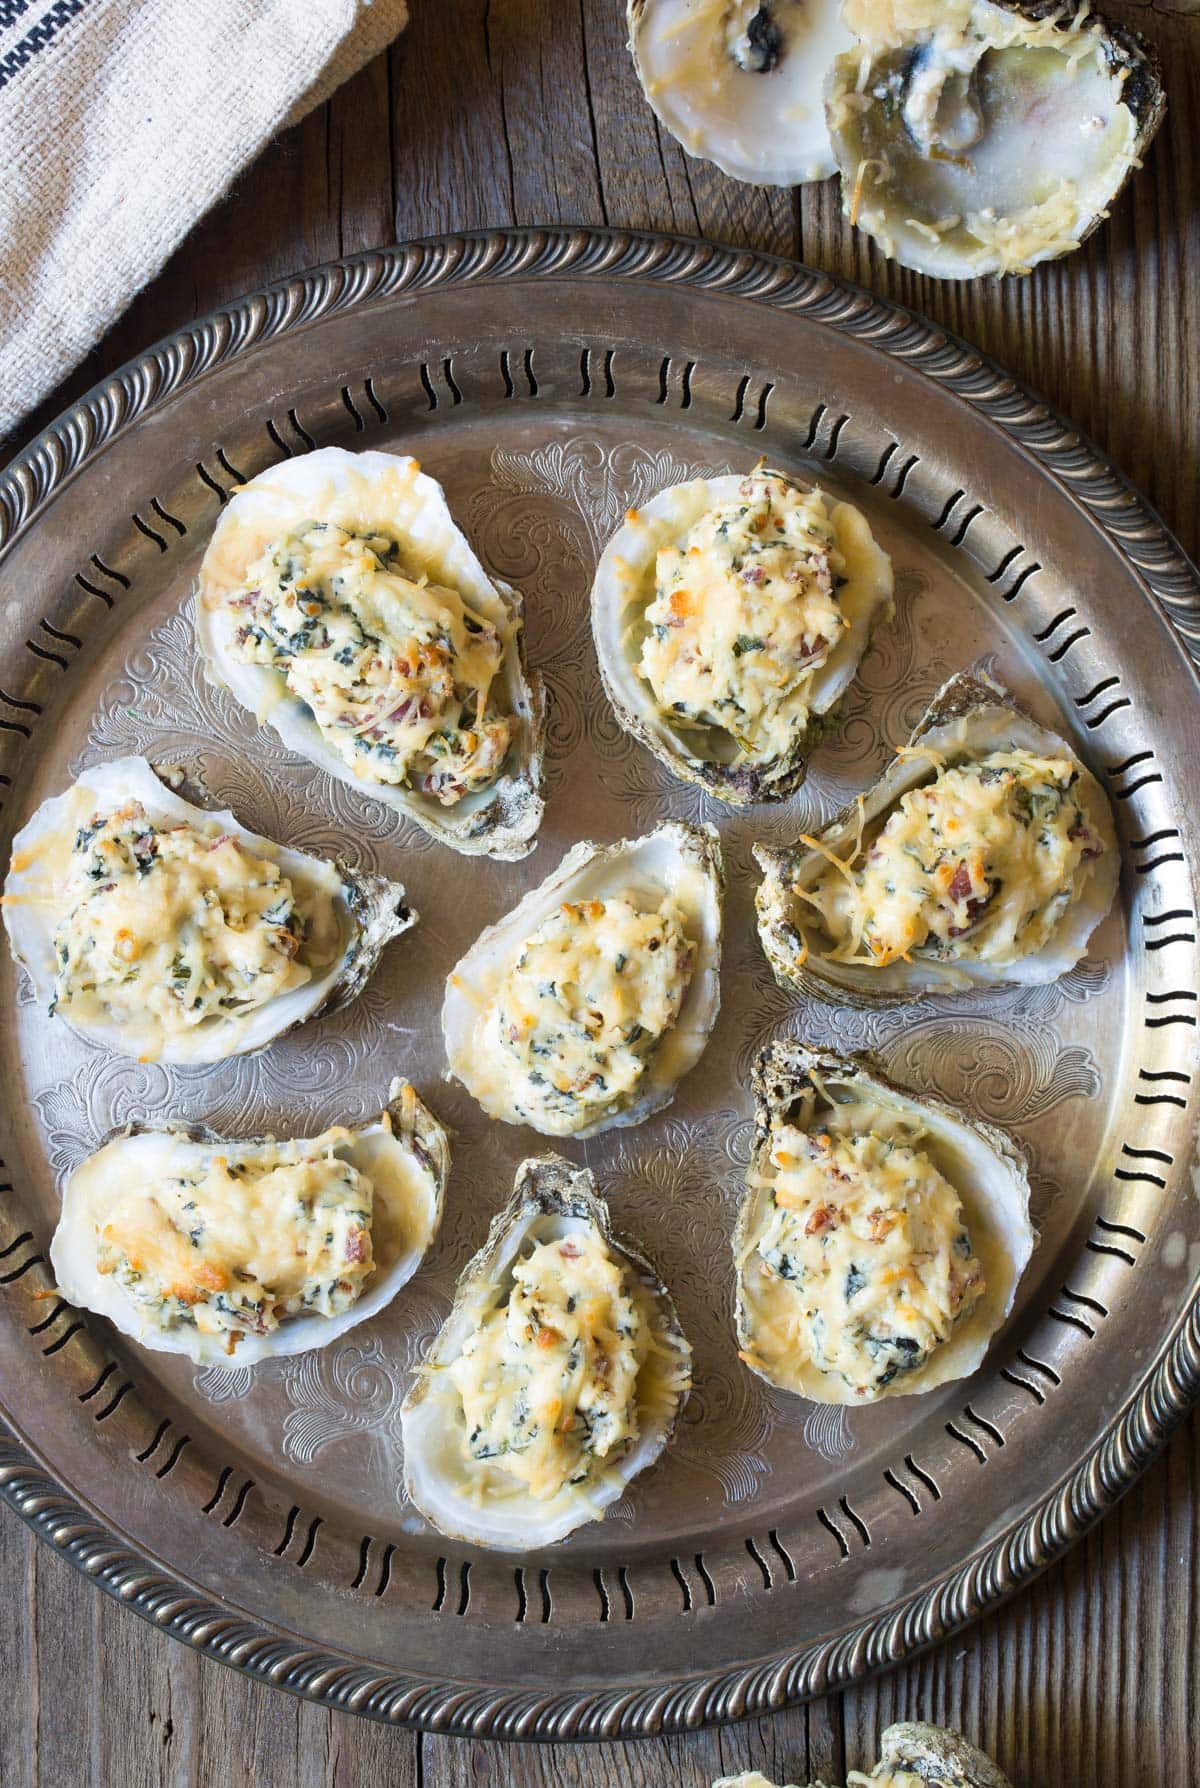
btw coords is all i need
(1170, 1386)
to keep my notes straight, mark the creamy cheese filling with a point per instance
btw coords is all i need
(745, 613)
(237, 1246)
(981, 863)
(548, 1379)
(868, 1238)
(174, 925)
(591, 995)
(399, 673)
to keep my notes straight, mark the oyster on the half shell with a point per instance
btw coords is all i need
(730, 617)
(741, 82)
(882, 1234)
(984, 136)
(587, 1004)
(557, 1377)
(230, 1251)
(170, 932)
(340, 603)
(984, 855)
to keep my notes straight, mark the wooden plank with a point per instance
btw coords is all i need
(19, 1664)
(61, 1727)
(1088, 1676)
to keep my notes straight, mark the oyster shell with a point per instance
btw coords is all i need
(970, 717)
(389, 495)
(983, 136)
(675, 870)
(470, 1498)
(351, 914)
(913, 1752)
(818, 1091)
(624, 589)
(914, 1755)
(740, 82)
(403, 1151)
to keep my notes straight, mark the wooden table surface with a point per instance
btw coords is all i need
(526, 111)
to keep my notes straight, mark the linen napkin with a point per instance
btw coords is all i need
(121, 123)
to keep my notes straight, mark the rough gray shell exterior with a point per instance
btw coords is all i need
(785, 1068)
(939, 1755)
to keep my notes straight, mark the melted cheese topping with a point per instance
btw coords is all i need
(980, 863)
(548, 1379)
(398, 673)
(591, 995)
(745, 612)
(173, 925)
(238, 1246)
(867, 1237)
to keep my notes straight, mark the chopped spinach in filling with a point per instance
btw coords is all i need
(549, 1377)
(589, 999)
(173, 925)
(399, 674)
(235, 1248)
(869, 1239)
(745, 613)
(982, 862)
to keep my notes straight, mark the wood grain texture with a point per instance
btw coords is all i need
(527, 111)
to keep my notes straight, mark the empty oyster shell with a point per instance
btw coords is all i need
(819, 1093)
(970, 717)
(451, 1472)
(403, 1152)
(344, 918)
(983, 136)
(831, 573)
(740, 82)
(282, 515)
(531, 1049)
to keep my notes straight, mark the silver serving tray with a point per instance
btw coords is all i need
(551, 379)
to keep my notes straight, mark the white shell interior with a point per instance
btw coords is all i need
(764, 127)
(364, 491)
(1057, 139)
(624, 588)
(676, 859)
(994, 728)
(405, 1216)
(33, 908)
(994, 1190)
(468, 1499)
